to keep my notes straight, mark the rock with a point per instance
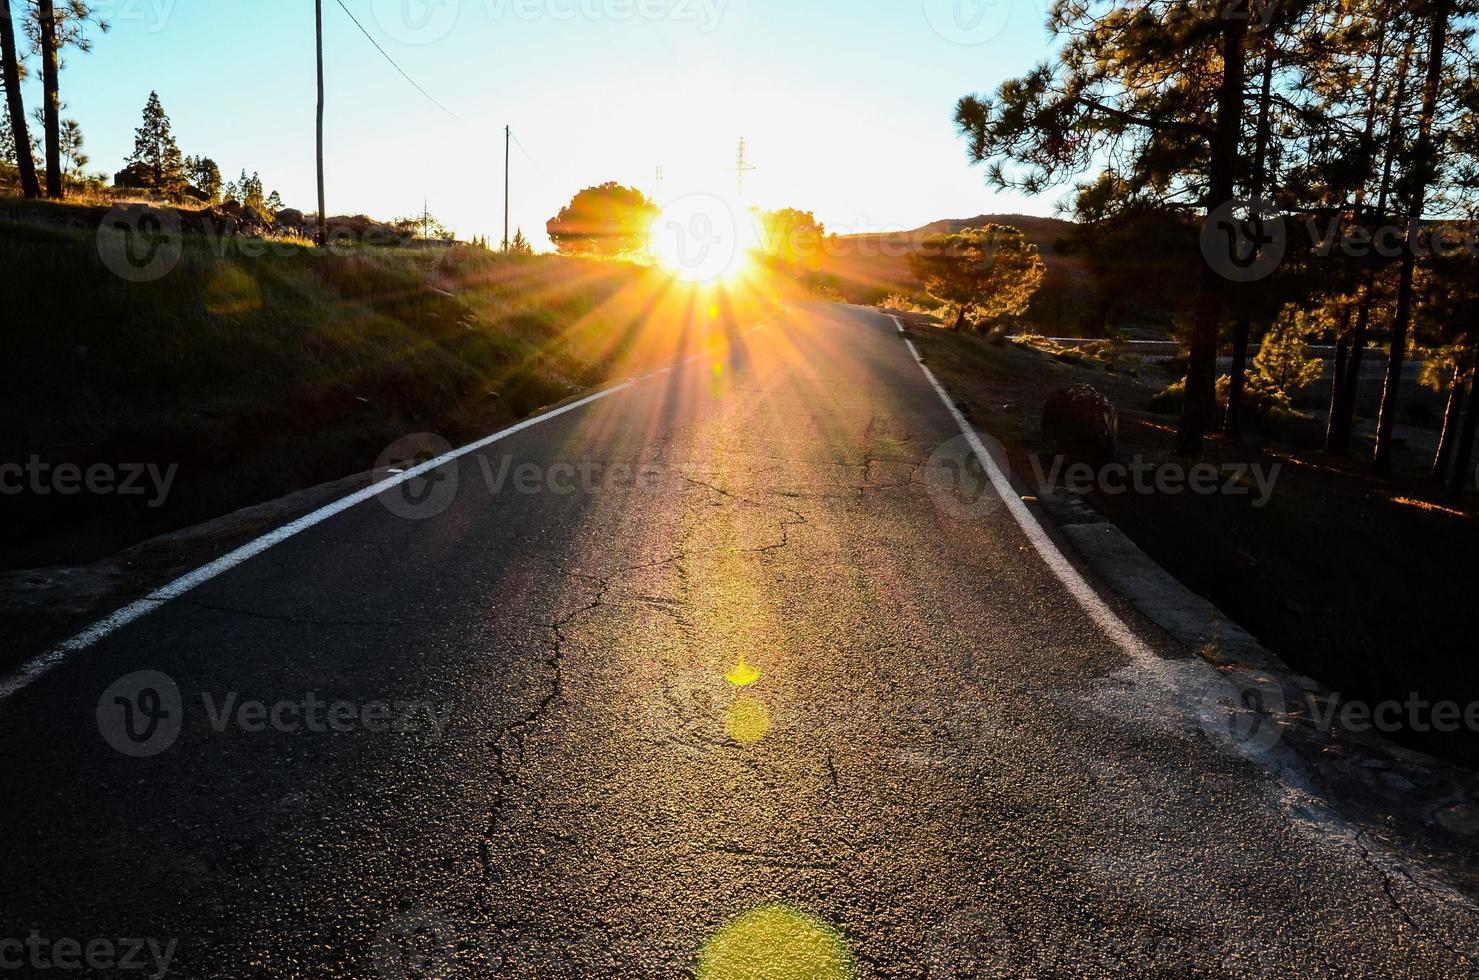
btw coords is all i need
(289, 218)
(1460, 819)
(1082, 422)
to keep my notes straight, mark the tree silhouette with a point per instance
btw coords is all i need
(792, 236)
(53, 27)
(993, 270)
(156, 162)
(205, 174)
(608, 221)
(1157, 91)
(74, 161)
(15, 108)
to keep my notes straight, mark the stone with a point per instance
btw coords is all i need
(1081, 421)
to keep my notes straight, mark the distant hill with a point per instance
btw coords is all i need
(868, 268)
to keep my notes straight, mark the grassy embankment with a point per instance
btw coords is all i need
(1364, 584)
(263, 369)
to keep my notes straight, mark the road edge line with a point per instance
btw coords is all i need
(1088, 599)
(37, 667)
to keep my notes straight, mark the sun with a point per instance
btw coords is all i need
(702, 238)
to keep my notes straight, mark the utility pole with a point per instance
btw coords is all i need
(507, 138)
(740, 169)
(657, 184)
(323, 219)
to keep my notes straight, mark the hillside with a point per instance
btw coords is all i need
(261, 367)
(868, 268)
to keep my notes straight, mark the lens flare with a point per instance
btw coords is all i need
(702, 238)
(778, 943)
(748, 720)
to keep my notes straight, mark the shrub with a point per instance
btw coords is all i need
(1284, 362)
(1265, 407)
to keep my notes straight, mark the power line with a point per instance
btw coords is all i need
(527, 156)
(397, 67)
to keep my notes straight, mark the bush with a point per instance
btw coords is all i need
(1284, 362)
(911, 304)
(1265, 407)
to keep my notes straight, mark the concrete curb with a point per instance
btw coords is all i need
(1364, 772)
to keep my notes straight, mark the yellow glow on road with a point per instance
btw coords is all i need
(748, 720)
(742, 675)
(776, 943)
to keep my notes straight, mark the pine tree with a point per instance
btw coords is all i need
(15, 109)
(156, 159)
(1421, 174)
(54, 25)
(1158, 90)
(206, 176)
(1284, 359)
(251, 196)
(520, 245)
(993, 270)
(74, 161)
(7, 140)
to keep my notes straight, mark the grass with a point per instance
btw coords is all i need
(262, 368)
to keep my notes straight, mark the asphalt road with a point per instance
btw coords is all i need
(943, 768)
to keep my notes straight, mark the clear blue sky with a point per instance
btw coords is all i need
(846, 107)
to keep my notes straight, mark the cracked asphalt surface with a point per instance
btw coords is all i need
(943, 761)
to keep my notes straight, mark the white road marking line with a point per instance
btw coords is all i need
(39, 666)
(1057, 563)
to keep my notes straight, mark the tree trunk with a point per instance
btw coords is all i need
(959, 319)
(1343, 423)
(10, 75)
(1343, 419)
(1423, 171)
(1199, 409)
(1232, 426)
(51, 99)
(1338, 382)
(1457, 484)
(1451, 419)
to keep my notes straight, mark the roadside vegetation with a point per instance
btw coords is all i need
(266, 366)
(1300, 570)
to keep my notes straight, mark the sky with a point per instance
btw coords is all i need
(846, 108)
